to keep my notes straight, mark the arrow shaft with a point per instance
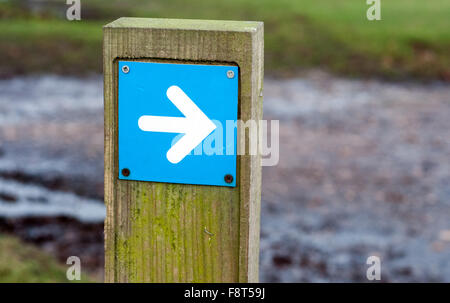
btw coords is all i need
(163, 124)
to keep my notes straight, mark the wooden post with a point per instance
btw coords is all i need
(162, 232)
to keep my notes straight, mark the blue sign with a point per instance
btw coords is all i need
(173, 123)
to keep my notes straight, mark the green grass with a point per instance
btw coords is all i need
(411, 40)
(33, 45)
(23, 263)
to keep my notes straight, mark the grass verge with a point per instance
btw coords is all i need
(411, 41)
(22, 263)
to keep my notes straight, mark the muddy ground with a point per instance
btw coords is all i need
(364, 170)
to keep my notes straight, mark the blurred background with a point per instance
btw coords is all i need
(364, 111)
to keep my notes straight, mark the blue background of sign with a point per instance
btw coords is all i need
(142, 91)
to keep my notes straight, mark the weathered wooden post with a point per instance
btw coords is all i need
(174, 232)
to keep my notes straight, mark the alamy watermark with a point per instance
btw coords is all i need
(74, 10)
(374, 11)
(74, 271)
(252, 139)
(374, 270)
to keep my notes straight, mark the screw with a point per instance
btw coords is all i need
(125, 172)
(208, 232)
(125, 69)
(230, 74)
(228, 178)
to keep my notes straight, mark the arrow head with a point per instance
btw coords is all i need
(199, 125)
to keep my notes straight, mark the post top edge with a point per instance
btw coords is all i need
(186, 24)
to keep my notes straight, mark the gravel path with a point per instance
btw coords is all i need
(364, 170)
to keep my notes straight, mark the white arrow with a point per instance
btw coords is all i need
(195, 125)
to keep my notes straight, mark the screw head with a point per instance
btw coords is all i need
(125, 172)
(125, 69)
(228, 178)
(230, 74)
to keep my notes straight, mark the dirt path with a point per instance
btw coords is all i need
(364, 170)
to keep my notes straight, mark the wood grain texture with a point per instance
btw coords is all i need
(161, 232)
